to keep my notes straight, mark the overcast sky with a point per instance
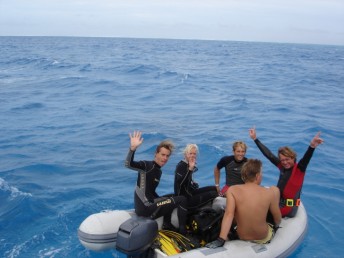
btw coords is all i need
(290, 21)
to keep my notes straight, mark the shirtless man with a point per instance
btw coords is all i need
(248, 205)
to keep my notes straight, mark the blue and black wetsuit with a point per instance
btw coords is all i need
(185, 186)
(233, 169)
(147, 202)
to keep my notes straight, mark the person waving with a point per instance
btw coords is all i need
(292, 173)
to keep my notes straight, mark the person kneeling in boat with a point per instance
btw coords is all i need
(184, 185)
(147, 202)
(248, 205)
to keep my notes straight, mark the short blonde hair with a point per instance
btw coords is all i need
(239, 144)
(189, 147)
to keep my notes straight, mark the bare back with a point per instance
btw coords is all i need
(252, 203)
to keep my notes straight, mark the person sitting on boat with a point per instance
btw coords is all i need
(291, 172)
(147, 202)
(232, 165)
(184, 185)
(248, 205)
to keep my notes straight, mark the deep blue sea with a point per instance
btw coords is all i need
(68, 104)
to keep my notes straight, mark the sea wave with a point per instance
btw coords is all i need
(11, 191)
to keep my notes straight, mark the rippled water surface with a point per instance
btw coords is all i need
(68, 104)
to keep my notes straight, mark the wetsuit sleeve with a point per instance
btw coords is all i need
(303, 163)
(130, 163)
(180, 177)
(267, 153)
(222, 162)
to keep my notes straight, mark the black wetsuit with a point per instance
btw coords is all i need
(147, 202)
(233, 169)
(285, 174)
(185, 186)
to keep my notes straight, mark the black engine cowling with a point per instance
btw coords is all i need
(136, 235)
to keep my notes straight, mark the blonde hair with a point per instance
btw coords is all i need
(189, 147)
(250, 170)
(239, 144)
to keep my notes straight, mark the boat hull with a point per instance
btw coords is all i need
(99, 231)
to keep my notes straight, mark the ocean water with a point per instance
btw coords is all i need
(68, 104)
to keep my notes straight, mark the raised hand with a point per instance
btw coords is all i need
(316, 141)
(252, 133)
(135, 140)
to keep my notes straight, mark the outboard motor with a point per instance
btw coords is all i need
(98, 232)
(136, 235)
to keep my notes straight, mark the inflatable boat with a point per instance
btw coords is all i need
(132, 235)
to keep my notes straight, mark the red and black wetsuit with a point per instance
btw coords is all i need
(290, 180)
(147, 202)
(185, 186)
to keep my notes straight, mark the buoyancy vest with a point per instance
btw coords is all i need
(291, 192)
